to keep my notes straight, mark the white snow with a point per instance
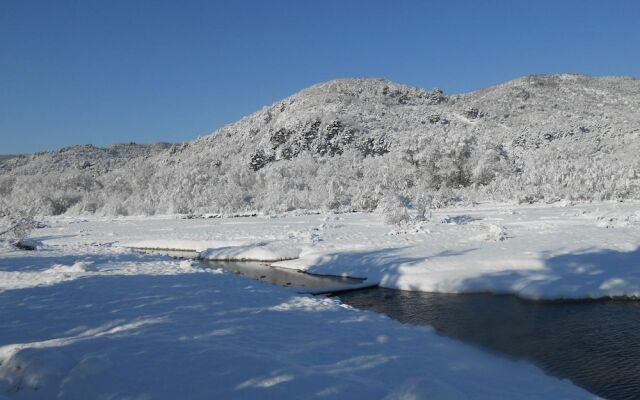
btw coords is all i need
(535, 252)
(182, 245)
(85, 317)
(118, 324)
(262, 251)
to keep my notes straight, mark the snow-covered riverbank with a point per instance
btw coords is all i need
(536, 252)
(85, 317)
(114, 325)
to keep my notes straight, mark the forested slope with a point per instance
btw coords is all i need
(362, 144)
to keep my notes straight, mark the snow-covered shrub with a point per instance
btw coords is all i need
(496, 233)
(15, 230)
(259, 160)
(6, 185)
(395, 210)
(401, 211)
(436, 96)
(422, 205)
(473, 113)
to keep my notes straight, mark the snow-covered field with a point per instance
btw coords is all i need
(84, 317)
(536, 252)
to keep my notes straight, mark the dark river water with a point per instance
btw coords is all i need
(595, 344)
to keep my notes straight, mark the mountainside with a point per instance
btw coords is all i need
(99, 160)
(362, 144)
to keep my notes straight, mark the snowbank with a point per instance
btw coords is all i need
(252, 252)
(536, 252)
(179, 244)
(223, 250)
(126, 325)
(19, 272)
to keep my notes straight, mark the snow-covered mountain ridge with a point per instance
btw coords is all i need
(362, 144)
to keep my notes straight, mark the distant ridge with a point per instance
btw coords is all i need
(362, 144)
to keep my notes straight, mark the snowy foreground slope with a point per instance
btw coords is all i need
(83, 317)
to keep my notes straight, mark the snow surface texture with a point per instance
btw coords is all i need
(536, 252)
(84, 318)
(362, 144)
(252, 252)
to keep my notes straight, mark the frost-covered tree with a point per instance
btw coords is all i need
(353, 144)
(15, 230)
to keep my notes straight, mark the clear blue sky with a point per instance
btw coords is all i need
(111, 71)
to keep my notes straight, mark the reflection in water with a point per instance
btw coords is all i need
(595, 344)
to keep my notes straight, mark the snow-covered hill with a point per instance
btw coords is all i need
(363, 144)
(98, 160)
